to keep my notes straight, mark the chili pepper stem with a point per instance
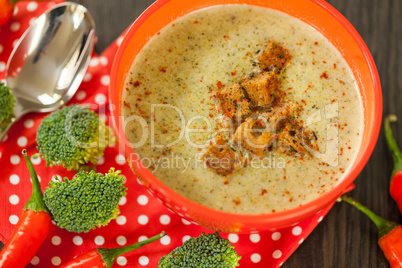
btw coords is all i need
(393, 146)
(36, 202)
(384, 226)
(109, 255)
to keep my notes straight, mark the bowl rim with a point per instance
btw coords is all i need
(281, 218)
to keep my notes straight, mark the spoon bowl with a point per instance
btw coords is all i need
(49, 61)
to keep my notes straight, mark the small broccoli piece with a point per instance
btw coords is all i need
(72, 137)
(205, 251)
(7, 102)
(87, 201)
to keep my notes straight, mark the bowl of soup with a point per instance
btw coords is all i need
(245, 115)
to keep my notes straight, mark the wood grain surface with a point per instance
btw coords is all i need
(345, 238)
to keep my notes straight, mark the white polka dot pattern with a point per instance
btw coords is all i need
(14, 179)
(255, 238)
(15, 159)
(15, 26)
(99, 240)
(255, 258)
(13, 219)
(142, 238)
(143, 219)
(94, 62)
(143, 260)
(297, 230)
(277, 254)
(120, 159)
(80, 95)
(35, 260)
(123, 201)
(165, 240)
(164, 219)
(56, 240)
(14, 199)
(36, 160)
(121, 220)
(77, 240)
(122, 261)
(233, 238)
(105, 80)
(121, 240)
(100, 98)
(87, 77)
(142, 200)
(276, 236)
(56, 261)
(185, 238)
(28, 123)
(32, 6)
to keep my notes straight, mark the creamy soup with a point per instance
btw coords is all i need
(171, 116)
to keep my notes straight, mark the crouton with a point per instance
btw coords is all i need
(274, 57)
(221, 158)
(232, 102)
(254, 135)
(281, 112)
(291, 139)
(261, 88)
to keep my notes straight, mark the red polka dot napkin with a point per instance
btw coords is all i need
(142, 216)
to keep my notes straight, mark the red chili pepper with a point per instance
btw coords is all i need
(105, 257)
(6, 11)
(389, 234)
(31, 230)
(396, 181)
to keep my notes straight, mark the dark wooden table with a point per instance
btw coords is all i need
(345, 238)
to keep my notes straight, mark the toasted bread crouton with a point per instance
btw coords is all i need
(274, 57)
(254, 136)
(220, 157)
(291, 139)
(283, 111)
(232, 102)
(261, 88)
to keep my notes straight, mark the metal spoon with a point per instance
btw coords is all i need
(49, 61)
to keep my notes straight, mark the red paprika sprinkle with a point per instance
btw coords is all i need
(32, 228)
(389, 234)
(105, 257)
(324, 75)
(220, 85)
(396, 181)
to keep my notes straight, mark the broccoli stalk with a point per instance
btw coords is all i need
(87, 201)
(207, 250)
(72, 137)
(7, 102)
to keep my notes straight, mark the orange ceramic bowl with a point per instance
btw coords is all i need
(321, 16)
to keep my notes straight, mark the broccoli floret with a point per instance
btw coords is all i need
(72, 137)
(205, 251)
(87, 201)
(7, 102)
